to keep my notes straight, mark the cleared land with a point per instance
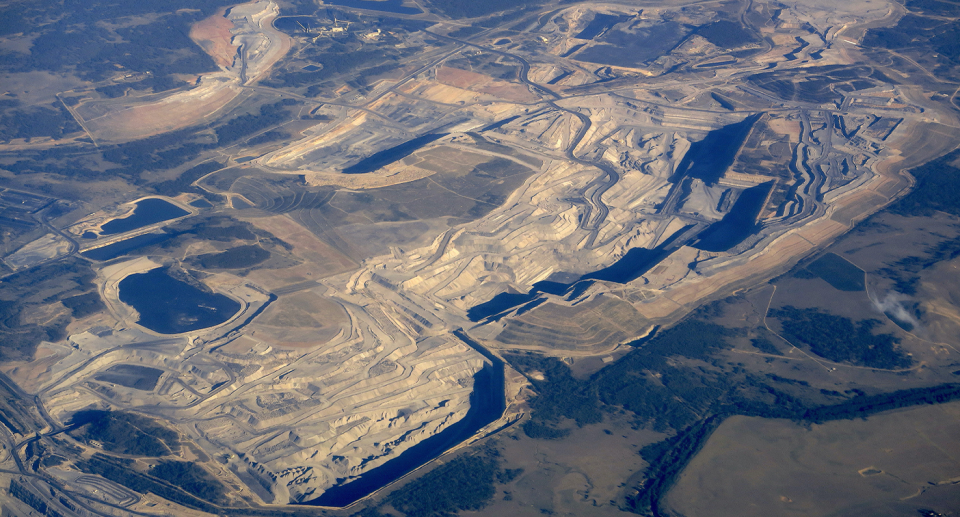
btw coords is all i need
(123, 119)
(888, 464)
(213, 35)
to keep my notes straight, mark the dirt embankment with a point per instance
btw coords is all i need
(214, 37)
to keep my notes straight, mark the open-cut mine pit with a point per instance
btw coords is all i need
(344, 271)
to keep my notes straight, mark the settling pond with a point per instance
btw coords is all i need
(134, 376)
(148, 211)
(168, 305)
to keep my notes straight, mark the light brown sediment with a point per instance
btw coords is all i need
(214, 37)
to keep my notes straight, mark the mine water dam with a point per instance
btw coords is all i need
(487, 403)
(147, 212)
(138, 377)
(112, 251)
(168, 305)
(629, 48)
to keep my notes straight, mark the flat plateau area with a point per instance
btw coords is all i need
(890, 464)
